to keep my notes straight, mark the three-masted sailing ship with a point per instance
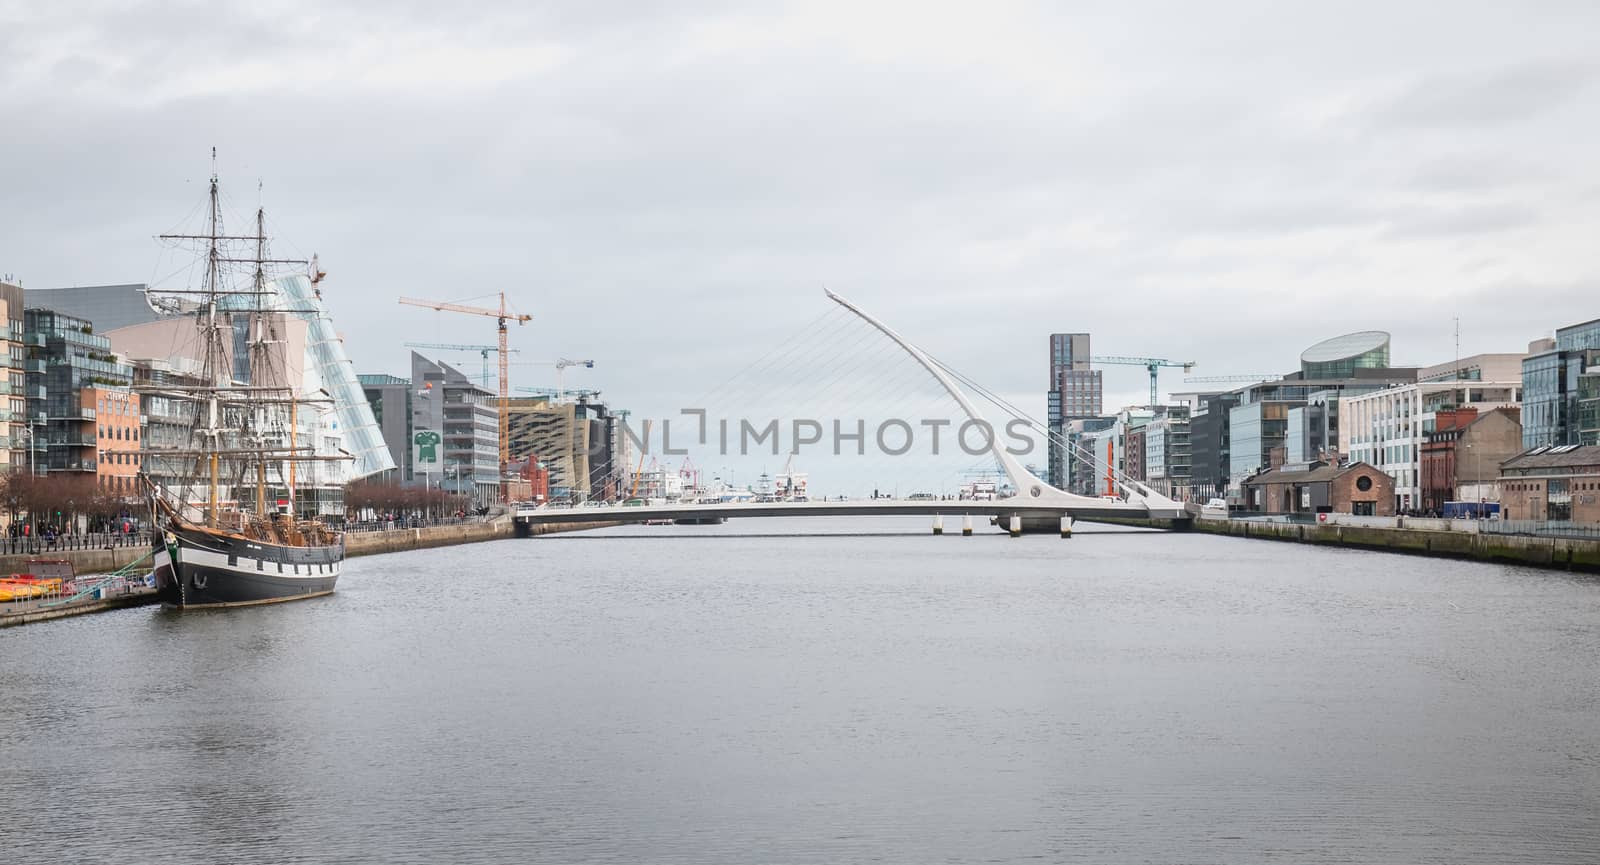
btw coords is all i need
(226, 531)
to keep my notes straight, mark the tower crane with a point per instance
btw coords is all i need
(484, 350)
(1153, 364)
(561, 368)
(554, 395)
(502, 315)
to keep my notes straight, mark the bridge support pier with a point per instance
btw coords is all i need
(966, 525)
(938, 524)
(1066, 526)
(1016, 525)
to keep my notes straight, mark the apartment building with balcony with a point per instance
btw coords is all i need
(69, 372)
(13, 354)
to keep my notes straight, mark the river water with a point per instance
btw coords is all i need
(771, 692)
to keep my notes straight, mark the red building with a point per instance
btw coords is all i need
(1438, 458)
(1460, 458)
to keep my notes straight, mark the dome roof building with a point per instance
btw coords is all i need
(1341, 356)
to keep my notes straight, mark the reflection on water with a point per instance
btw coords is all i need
(682, 694)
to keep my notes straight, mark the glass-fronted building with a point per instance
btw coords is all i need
(1561, 388)
(68, 368)
(1341, 356)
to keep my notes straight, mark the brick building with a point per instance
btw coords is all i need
(1552, 483)
(1460, 459)
(1133, 455)
(117, 416)
(1319, 487)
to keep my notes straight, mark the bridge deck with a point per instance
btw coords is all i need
(879, 507)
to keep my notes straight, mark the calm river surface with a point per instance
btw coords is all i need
(657, 695)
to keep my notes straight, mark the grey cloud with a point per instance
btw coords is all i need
(1463, 221)
(1487, 99)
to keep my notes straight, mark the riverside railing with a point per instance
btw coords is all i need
(33, 545)
(1541, 528)
(411, 523)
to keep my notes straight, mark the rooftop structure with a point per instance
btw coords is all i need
(1341, 356)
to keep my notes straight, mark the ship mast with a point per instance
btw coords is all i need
(213, 349)
(260, 287)
(251, 410)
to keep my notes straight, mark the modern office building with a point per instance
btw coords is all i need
(71, 371)
(455, 438)
(1561, 388)
(389, 397)
(108, 306)
(1478, 367)
(578, 441)
(1388, 427)
(1312, 432)
(557, 434)
(13, 380)
(1076, 392)
(1168, 453)
(1082, 474)
(1341, 356)
(1259, 423)
(1209, 445)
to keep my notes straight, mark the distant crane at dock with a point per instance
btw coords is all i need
(1153, 364)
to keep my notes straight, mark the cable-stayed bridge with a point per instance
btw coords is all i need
(1033, 505)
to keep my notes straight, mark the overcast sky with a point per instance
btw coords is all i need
(667, 186)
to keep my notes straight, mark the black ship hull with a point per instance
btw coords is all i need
(200, 569)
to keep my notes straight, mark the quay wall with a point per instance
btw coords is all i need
(104, 561)
(83, 561)
(1456, 541)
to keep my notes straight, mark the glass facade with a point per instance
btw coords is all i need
(1589, 403)
(352, 412)
(1341, 356)
(66, 361)
(1545, 401)
(1560, 391)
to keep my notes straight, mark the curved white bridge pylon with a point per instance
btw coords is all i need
(1031, 490)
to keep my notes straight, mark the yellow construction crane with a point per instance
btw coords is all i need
(503, 315)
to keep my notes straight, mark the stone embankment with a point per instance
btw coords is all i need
(1446, 538)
